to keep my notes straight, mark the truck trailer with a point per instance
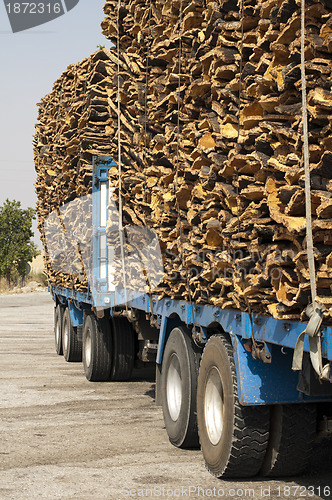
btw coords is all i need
(184, 201)
(224, 378)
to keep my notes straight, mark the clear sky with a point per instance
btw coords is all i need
(30, 62)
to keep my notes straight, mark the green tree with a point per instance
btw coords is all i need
(16, 247)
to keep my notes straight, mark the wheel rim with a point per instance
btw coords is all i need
(65, 336)
(214, 406)
(87, 348)
(174, 387)
(57, 332)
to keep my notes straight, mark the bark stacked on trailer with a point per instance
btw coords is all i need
(73, 124)
(240, 231)
(241, 199)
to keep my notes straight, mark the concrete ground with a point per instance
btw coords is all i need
(63, 437)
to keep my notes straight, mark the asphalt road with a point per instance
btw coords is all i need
(63, 437)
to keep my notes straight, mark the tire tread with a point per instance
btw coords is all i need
(100, 366)
(58, 316)
(183, 433)
(250, 430)
(293, 441)
(74, 351)
(123, 349)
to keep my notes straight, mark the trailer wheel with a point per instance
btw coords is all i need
(58, 316)
(123, 349)
(292, 434)
(233, 437)
(71, 345)
(178, 388)
(96, 348)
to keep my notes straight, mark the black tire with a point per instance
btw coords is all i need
(179, 388)
(123, 349)
(58, 316)
(71, 345)
(292, 435)
(233, 437)
(96, 348)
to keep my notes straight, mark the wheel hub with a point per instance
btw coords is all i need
(65, 336)
(214, 406)
(87, 348)
(57, 332)
(174, 387)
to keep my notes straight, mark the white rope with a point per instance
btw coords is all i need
(310, 246)
(176, 180)
(151, 306)
(147, 82)
(121, 232)
(314, 311)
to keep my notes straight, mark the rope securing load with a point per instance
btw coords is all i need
(121, 230)
(176, 180)
(315, 310)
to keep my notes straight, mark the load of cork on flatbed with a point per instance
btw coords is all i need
(211, 139)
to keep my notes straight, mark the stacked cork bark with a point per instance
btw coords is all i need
(73, 124)
(211, 144)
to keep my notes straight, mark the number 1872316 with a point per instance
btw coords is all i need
(303, 491)
(33, 8)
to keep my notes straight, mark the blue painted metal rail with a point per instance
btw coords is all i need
(265, 329)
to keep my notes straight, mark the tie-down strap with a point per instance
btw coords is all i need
(315, 313)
